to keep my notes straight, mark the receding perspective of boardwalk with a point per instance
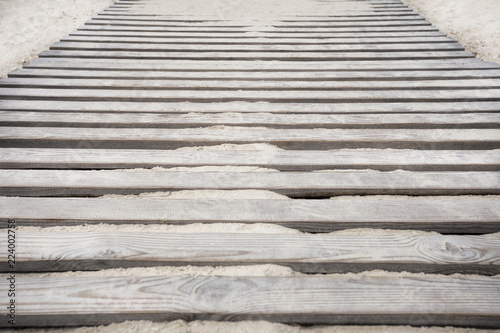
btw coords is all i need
(365, 117)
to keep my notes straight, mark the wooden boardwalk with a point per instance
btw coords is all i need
(372, 106)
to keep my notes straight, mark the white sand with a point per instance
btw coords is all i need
(224, 168)
(28, 27)
(180, 326)
(241, 228)
(204, 194)
(473, 23)
(265, 147)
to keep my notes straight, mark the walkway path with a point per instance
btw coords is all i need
(403, 122)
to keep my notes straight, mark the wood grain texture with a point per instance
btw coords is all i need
(303, 121)
(260, 34)
(305, 160)
(456, 215)
(157, 138)
(338, 299)
(250, 107)
(234, 47)
(80, 37)
(277, 85)
(292, 184)
(235, 25)
(310, 30)
(222, 65)
(311, 76)
(287, 96)
(246, 55)
(319, 253)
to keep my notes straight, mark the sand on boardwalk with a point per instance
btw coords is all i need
(180, 326)
(473, 23)
(28, 27)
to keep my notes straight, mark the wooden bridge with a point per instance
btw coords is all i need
(371, 106)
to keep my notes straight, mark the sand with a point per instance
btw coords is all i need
(180, 326)
(473, 23)
(204, 194)
(28, 27)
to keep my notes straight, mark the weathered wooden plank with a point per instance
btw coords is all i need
(319, 253)
(385, 160)
(247, 55)
(456, 215)
(261, 34)
(286, 96)
(197, 47)
(312, 139)
(395, 75)
(336, 299)
(311, 30)
(250, 107)
(447, 107)
(395, 120)
(259, 41)
(246, 21)
(293, 184)
(278, 85)
(277, 24)
(295, 66)
(200, 19)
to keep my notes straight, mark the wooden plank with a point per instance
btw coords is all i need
(245, 55)
(456, 215)
(247, 21)
(337, 299)
(278, 85)
(318, 253)
(258, 41)
(249, 107)
(261, 34)
(193, 120)
(293, 184)
(311, 30)
(294, 66)
(258, 75)
(286, 96)
(447, 107)
(276, 24)
(384, 160)
(321, 49)
(154, 138)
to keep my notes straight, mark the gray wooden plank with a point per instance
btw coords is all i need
(395, 120)
(311, 30)
(292, 20)
(318, 253)
(311, 139)
(465, 74)
(446, 107)
(456, 215)
(292, 184)
(258, 41)
(246, 55)
(278, 85)
(336, 299)
(261, 34)
(385, 160)
(221, 65)
(286, 96)
(277, 24)
(233, 47)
